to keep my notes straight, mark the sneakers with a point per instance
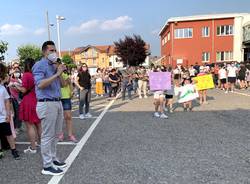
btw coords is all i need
(15, 154)
(61, 137)
(171, 110)
(52, 171)
(88, 115)
(30, 150)
(145, 96)
(60, 165)
(72, 139)
(156, 114)
(140, 97)
(81, 116)
(163, 116)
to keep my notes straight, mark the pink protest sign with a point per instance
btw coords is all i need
(159, 81)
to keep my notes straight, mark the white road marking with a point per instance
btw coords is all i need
(59, 143)
(76, 107)
(241, 93)
(81, 143)
(76, 117)
(238, 93)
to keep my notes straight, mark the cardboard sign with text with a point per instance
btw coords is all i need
(204, 82)
(159, 81)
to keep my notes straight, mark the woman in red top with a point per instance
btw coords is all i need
(27, 109)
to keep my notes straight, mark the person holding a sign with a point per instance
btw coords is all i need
(186, 94)
(159, 100)
(203, 92)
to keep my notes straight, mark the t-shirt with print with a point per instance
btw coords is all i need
(3, 96)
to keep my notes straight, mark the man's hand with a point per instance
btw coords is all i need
(60, 69)
(81, 88)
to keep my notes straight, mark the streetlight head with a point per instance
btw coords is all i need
(60, 17)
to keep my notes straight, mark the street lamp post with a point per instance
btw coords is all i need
(58, 19)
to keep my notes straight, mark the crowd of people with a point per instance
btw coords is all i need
(226, 76)
(39, 95)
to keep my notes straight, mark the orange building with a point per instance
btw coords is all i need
(204, 39)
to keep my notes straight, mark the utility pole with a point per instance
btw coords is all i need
(48, 24)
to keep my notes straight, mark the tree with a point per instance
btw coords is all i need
(3, 49)
(29, 51)
(131, 50)
(68, 61)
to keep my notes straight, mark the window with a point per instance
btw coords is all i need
(224, 56)
(225, 30)
(94, 61)
(162, 42)
(102, 60)
(205, 32)
(168, 36)
(184, 33)
(94, 53)
(205, 56)
(85, 54)
(165, 39)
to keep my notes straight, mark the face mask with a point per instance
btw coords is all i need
(17, 75)
(52, 57)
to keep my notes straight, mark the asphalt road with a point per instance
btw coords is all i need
(209, 145)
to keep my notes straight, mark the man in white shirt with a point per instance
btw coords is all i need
(223, 78)
(231, 73)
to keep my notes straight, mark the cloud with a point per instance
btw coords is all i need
(84, 27)
(119, 23)
(40, 31)
(11, 29)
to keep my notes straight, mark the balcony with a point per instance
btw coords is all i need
(89, 55)
(246, 34)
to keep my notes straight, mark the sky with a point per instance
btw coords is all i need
(99, 22)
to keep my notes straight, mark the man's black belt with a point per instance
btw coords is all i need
(49, 100)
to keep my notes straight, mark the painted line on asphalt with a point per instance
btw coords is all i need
(238, 93)
(59, 143)
(100, 105)
(75, 108)
(81, 143)
(241, 93)
(76, 117)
